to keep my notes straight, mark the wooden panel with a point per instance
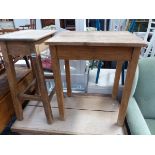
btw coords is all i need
(78, 121)
(6, 105)
(100, 38)
(24, 48)
(94, 52)
(27, 35)
(18, 48)
(6, 110)
(84, 102)
(20, 74)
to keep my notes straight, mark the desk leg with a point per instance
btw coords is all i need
(128, 85)
(11, 75)
(57, 80)
(68, 79)
(117, 78)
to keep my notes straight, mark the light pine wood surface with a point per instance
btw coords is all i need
(84, 115)
(27, 35)
(97, 38)
(84, 102)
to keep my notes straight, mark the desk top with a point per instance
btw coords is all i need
(26, 35)
(97, 38)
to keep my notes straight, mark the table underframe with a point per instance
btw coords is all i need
(107, 53)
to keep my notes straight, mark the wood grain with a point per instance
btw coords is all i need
(27, 35)
(6, 103)
(94, 52)
(100, 38)
(84, 102)
(37, 65)
(18, 48)
(78, 120)
(68, 78)
(128, 85)
(11, 75)
(117, 78)
(57, 80)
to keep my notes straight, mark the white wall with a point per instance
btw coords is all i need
(38, 24)
(57, 24)
(117, 24)
(80, 24)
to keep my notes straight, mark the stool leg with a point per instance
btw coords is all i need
(36, 62)
(11, 75)
(57, 80)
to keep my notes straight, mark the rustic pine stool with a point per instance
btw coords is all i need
(27, 43)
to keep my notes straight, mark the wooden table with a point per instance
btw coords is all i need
(110, 46)
(26, 43)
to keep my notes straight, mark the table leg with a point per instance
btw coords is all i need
(57, 80)
(11, 75)
(117, 78)
(128, 85)
(68, 79)
(37, 66)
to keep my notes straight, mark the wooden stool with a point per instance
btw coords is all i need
(27, 43)
(3, 31)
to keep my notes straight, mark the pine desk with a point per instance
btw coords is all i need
(110, 46)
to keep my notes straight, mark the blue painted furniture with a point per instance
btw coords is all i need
(131, 29)
(125, 65)
(100, 63)
(98, 27)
